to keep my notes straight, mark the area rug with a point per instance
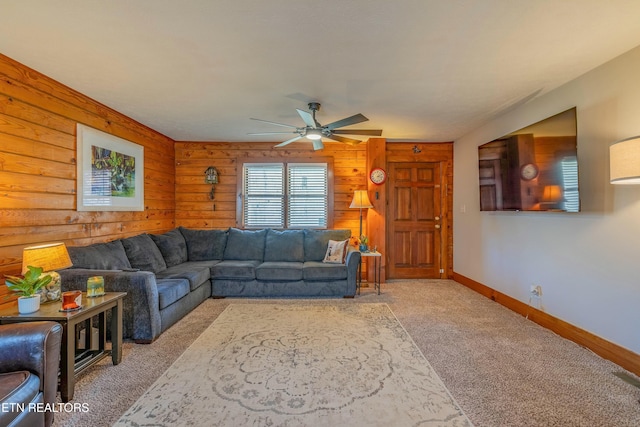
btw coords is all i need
(299, 365)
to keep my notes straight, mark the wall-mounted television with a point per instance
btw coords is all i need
(532, 169)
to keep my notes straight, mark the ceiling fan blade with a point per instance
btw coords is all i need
(317, 144)
(274, 123)
(358, 118)
(371, 132)
(308, 118)
(270, 133)
(345, 140)
(288, 141)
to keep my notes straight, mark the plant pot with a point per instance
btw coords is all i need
(28, 305)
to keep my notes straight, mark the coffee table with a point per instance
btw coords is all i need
(73, 360)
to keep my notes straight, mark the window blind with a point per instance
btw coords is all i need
(307, 184)
(279, 195)
(569, 167)
(264, 195)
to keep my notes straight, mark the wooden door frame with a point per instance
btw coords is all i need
(379, 154)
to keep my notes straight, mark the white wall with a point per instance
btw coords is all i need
(587, 263)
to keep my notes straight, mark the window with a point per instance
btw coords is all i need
(285, 195)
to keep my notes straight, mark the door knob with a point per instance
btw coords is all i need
(437, 225)
(437, 218)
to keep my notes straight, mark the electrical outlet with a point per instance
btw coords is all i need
(536, 291)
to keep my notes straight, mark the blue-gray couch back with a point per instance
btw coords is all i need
(168, 275)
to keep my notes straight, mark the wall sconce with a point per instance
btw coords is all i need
(211, 177)
(624, 161)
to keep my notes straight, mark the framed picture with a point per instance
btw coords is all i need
(110, 172)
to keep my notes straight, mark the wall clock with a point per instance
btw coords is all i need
(378, 176)
(528, 171)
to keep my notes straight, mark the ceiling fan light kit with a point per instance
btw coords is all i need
(313, 134)
(314, 131)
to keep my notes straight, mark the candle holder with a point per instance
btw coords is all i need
(71, 301)
(95, 286)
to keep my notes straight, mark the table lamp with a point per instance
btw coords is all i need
(53, 256)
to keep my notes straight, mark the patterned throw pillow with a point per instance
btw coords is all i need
(336, 252)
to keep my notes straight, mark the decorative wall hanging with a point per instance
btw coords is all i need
(211, 177)
(110, 172)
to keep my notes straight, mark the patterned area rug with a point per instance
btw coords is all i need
(299, 365)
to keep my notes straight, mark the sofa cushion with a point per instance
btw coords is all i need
(279, 270)
(287, 245)
(143, 253)
(204, 245)
(314, 270)
(196, 273)
(100, 256)
(171, 290)
(316, 242)
(235, 269)
(172, 247)
(245, 245)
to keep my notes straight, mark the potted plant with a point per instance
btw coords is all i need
(364, 240)
(27, 288)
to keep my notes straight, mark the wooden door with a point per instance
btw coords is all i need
(490, 185)
(414, 220)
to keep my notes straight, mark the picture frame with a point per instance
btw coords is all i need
(110, 174)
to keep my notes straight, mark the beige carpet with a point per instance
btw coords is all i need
(502, 369)
(299, 365)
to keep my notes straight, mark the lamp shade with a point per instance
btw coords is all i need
(361, 199)
(49, 257)
(624, 161)
(552, 193)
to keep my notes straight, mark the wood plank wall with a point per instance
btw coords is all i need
(195, 210)
(38, 118)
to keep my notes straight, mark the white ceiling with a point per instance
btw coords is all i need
(421, 70)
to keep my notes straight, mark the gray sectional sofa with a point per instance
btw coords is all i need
(168, 275)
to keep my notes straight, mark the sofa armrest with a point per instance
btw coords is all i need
(352, 262)
(141, 312)
(33, 347)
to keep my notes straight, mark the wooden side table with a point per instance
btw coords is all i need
(377, 269)
(73, 360)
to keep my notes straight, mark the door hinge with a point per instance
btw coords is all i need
(441, 270)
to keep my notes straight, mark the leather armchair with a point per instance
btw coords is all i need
(29, 361)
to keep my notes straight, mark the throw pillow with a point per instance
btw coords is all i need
(336, 252)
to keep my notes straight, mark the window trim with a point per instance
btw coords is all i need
(285, 161)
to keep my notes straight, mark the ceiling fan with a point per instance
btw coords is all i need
(315, 131)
